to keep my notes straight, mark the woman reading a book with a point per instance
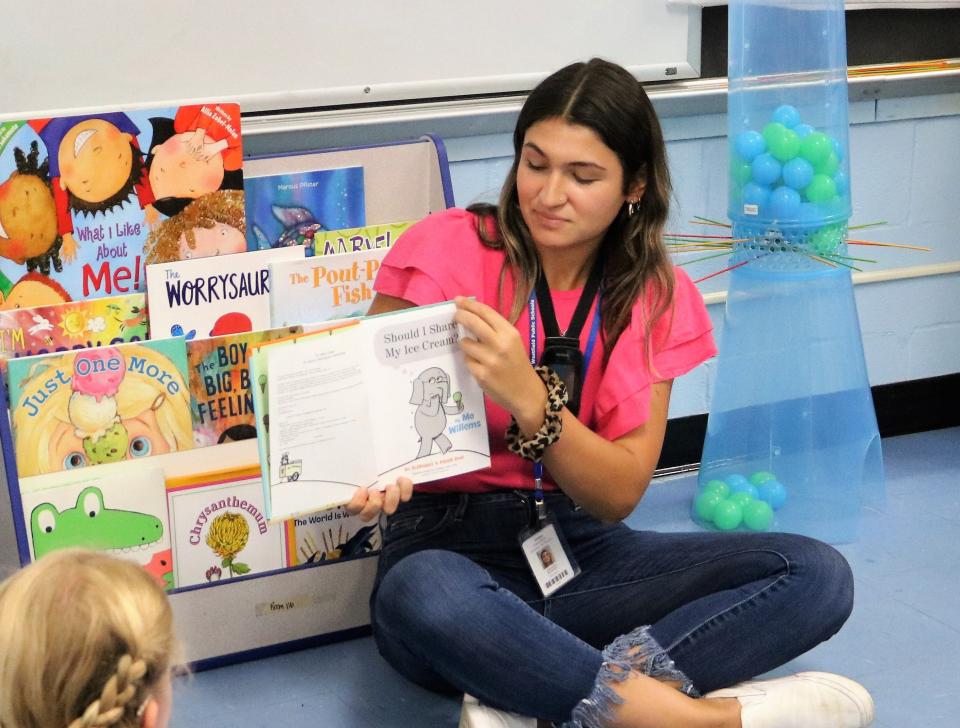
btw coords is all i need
(581, 323)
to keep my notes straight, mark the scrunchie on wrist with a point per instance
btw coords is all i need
(532, 448)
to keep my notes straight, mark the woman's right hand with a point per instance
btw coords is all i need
(369, 503)
(499, 362)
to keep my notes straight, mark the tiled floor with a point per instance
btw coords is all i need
(902, 641)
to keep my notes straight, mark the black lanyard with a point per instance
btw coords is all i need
(550, 327)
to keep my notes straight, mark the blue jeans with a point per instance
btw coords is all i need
(455, 607)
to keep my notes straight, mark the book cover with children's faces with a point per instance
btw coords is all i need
(103, 405)
(76, 325)
(220, 387)
(119, 514)
(79, 196)
(291, 209)
(220, 532)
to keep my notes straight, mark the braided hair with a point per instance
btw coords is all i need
(86, 640)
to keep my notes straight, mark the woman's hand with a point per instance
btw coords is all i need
(499, 362)
(369, 503)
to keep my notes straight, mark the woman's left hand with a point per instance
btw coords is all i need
(498, 360)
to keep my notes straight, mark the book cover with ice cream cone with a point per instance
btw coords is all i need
(100, 405)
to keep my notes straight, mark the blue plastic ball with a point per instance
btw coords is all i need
(754, 194)
(736, 481)
(802, 130)
(838, 149)
(766, 169)
(842, 182)
(785, 203)
(797, 173)
(786, 115)
(746, 487)
(749, 144)
(810, 212)
(773, 492)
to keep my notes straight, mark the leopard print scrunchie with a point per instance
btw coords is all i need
(533, 447)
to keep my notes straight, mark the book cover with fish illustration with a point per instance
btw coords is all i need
(79, 408)
(331, 286)
(219, 530)
(124, 516)
(220, 392)
(207, 297)
(79, 195)
(76, 325)
(290, 209)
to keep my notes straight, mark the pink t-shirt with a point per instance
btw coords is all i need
(442, 257)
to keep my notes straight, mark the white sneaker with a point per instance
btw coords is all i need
(475, 714)
(804, 700)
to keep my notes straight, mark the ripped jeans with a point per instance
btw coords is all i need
(455, 608)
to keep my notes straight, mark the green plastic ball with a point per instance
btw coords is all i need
(717, 486)
(727, 515)
(827, 239)
(758, 516)
(821, 188)
(761, 476)
(740, 171)
(785, 146)
(828, 166)
(773, 133)
(706, 503)
(741, 498)
(816, 147)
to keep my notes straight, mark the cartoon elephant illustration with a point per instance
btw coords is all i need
(431, 390)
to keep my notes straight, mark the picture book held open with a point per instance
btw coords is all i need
(387, 397)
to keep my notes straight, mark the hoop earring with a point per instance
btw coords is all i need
(632, 208)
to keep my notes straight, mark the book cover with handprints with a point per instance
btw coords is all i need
(80, 194)
(92, 406)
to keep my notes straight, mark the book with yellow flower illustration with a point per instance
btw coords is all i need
(64, 326)
(219, 530)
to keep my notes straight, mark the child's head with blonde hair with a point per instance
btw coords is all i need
(85, 640)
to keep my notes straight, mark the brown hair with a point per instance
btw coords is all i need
(606, 98)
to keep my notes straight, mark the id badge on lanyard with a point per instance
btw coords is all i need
(547, 553)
